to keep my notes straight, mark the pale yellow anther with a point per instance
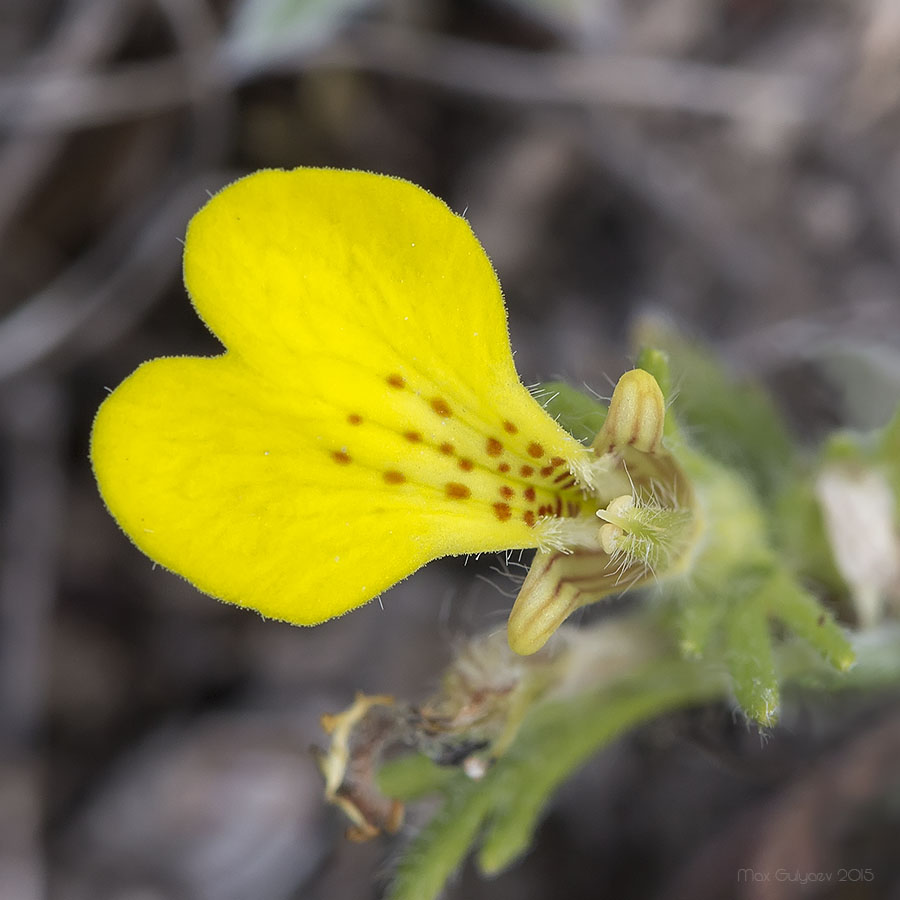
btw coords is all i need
(616, 518)
(610, 538)
(616, 510)
(636, 416)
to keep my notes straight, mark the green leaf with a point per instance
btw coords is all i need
(748, 655)
(699, 617)
(560, 737)
(807, 618)
(581, 415)
(409, 777)
(656, 362)
(877, 654)
(734, 423)
(800, 536)
(888, 454)
(556, 738)
(443, 843)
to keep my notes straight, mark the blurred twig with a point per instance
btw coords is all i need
(681, 196)
(608, 79)
(802, 337)
(213, 104)
(33, 416)
(33, 423)
(88, 32)
(59, 100)
(134, 261)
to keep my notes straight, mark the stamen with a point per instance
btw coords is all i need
(603, 476)
(566, 535)
(643, 531)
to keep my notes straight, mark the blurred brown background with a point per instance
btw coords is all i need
(734, 164)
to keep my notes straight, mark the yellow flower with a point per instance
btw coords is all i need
(366, 416)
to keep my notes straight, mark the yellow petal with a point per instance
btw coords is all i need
(366, 418)
(556, 585)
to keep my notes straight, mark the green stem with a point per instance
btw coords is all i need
(560, 735)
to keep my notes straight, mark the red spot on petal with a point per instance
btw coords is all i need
(466, 464)
(557, 461)
(457, 491)
(529, 518)
(340, 457)
(529, 494)
(493, 447)
(509, 427)
(441, 407)
(396, 381)
(503, 467)
(502, 511)
(546, 470)
(506, 492)
(535, 450)
(412, 436)
(394, 477)
(559, 478)
(526, 471)
(354, 419)
(446, 449)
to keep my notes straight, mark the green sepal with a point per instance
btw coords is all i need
(888, 454)
(735, 423)
(656, 362)
(698, 621)
(799, 533)
(750, 661)
(800, 611)
(581, 415)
